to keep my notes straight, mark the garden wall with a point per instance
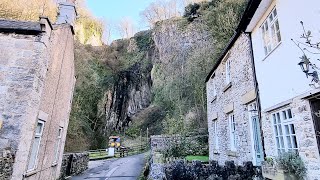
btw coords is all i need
(163, 167)
(73, 164)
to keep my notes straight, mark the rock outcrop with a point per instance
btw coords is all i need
(170, 46)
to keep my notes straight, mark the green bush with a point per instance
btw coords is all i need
(191, 11)
(291, 162)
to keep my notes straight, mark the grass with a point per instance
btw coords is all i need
(199, 158)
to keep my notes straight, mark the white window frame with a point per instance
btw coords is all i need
(270, 32)
(284, 131)
(228, 71)
(37, 135)
(215, 135)
(57, 145)
(232, 129)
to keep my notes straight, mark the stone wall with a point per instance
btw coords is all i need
(305, 133)
(73, 164)
(190, 145)
(6, 164)
(232, 98)
(197, 170)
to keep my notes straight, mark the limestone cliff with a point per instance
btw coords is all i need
(175, 49)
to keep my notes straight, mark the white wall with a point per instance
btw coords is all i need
(279, 76)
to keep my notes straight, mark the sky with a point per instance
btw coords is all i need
(114, 10)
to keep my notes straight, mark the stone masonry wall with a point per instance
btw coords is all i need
(242, 82)
(305, 133)
(6, 164)
(23, 66)
(180, 169)
(79, 163)
(56, 100)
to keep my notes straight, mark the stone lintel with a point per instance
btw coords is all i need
(228, 108)
(43, 116)
(232, 153)
(214, 116)
(249, 97)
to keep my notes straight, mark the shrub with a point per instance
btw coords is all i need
(292, 163)
(191, 11)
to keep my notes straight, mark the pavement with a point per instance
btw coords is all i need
(127, 168)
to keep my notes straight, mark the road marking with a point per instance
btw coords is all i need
(111, 172)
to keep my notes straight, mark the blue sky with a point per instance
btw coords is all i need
(114, 10)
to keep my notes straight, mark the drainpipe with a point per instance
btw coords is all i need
(256, 85)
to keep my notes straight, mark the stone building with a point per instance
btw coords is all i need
(36, 88)
(289, 106)
(233, 121)
(286, 105)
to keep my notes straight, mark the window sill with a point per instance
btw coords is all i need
(232, 153)
(214, 98)
(54, 164)
(228, 86)
(215, 151)
(272, 51)
(30, 173)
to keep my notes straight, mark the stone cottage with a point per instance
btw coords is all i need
(284, 103)
(36, 88)
(233, 121)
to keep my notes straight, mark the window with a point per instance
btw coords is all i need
(232, 126)
(284, 131)
(215, 134)
(32, 165)
(57, 145)
(228, 74)
(271, 32)
(214, 90)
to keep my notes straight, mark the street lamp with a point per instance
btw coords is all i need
(305, 64)
(305, 67)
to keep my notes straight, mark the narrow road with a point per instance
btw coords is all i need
(128, 168)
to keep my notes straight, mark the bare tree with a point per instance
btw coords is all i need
(160, 10)
(126, 28)
(165, 9)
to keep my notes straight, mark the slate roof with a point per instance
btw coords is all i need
(20, 27)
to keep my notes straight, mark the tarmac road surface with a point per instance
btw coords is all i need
(127, 168)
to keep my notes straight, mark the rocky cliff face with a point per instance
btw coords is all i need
(171, 51)
(131, 91)
(130, 94)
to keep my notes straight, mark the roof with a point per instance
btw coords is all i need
(245, 20)
(20, 27)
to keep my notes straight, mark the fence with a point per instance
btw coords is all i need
(121, 152)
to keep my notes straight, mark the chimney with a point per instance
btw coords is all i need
(67, 13)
